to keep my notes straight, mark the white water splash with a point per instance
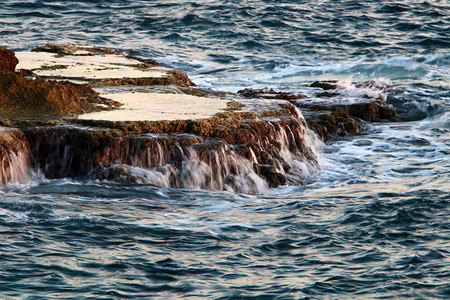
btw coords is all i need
(374, 89)
(15, 167)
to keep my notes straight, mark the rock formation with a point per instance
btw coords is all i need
(251, 141)
(327, 115)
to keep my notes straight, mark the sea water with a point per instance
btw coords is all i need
(372, 223)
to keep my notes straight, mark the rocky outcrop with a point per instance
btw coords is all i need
(341, 120)
(254, 140)
(25, 95)
(8, 60)
(328, 110)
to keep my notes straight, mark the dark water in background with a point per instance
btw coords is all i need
(374, 223)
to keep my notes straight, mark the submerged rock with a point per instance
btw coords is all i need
(413, 108)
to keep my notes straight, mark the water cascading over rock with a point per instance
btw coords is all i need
(168, 132)
(14, 156)
(250, 157)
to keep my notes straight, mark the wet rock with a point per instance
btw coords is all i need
(8, 60)
(327, 94)
(334, 116)
(371, 111)
(273, 177)
(325, 85)
(205, 146)
(410, 108)
(265, 158)
(268, 94)
(331, 115)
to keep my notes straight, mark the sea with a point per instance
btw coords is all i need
(372, 223)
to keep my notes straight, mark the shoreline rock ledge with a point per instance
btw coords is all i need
(99, 114)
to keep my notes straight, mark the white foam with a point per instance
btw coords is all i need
(374, 91)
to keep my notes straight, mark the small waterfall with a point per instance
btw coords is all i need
(14, 167)
(303, 158)
(210, 165)
(286, 155)
(248, 158)
(14, 158)
(64, 151)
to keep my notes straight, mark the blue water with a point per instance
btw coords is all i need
(373, 223)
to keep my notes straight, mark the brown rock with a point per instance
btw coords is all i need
(23, 97)
(8, 60)
(71, 50)
(372, 111)
(274, 178)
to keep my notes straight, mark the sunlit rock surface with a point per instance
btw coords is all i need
(97, 66)
(22, 96)
(150, 106)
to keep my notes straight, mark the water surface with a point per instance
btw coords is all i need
(373, 223)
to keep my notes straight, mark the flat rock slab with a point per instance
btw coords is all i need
(87, 67)
(142, 106)
(104, 69)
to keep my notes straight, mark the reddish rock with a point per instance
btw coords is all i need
(180, 78)
(8, 60)
(23, 97)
